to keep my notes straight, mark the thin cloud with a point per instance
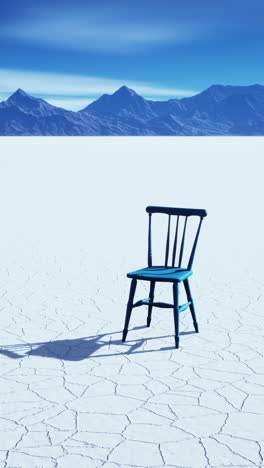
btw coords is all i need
(73, 104)
(98, 32)
(58, 87)
(4, 96)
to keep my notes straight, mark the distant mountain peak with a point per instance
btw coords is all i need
(219, 87)
(28, 104)
(20, 95)
(125, 91)
(215, 93)
(123, 100)
(20, 92)
(216, 87)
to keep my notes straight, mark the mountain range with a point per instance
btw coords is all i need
(219, 110)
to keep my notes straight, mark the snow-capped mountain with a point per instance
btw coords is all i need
(22, 114)
(219, 110)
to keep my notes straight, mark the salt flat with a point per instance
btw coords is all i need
(72, 225)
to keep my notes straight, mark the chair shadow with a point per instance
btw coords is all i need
(81, 348)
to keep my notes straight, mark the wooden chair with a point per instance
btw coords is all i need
(165, 273)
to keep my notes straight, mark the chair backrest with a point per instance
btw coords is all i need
(179, 234)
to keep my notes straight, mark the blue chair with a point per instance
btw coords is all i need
(165, 273)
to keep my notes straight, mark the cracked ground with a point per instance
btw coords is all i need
(72, 394)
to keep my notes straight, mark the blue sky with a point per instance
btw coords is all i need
(71, 52)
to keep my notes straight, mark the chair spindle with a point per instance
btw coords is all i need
(182, 242)
(175, 242)
(167, 242)
(195, 244)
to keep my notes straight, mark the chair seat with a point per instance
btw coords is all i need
(161, 273)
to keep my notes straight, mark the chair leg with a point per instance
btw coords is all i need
(176, 313)
(129, 307)
(151, 296)
(190, 299)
